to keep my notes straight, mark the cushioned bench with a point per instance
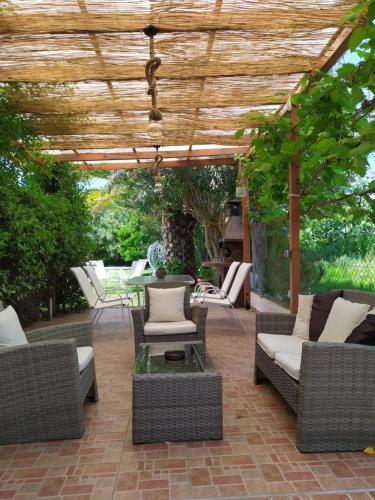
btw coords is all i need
(329, 385)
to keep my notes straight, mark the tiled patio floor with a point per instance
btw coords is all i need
(256, 459)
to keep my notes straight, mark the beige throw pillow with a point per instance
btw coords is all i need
(343, 318)
(166, 304)
(302, 324)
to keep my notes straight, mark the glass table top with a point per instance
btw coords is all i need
(146, 280)
(151, 358)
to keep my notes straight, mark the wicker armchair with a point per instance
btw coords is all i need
(42, 391)
(334, 399)
(196, 313)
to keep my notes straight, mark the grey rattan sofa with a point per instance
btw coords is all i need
(196, 313)
(41, 389)
(335, 397)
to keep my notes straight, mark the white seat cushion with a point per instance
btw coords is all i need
(197, 295)
(166, 304)
(272, 344)
(85, 355)
(291, 363)
(11, 333)
(112, 303)
(343, 318)
(170, 327)
(207, 299)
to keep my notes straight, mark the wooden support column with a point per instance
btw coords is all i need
(294, 223)
(246, 250)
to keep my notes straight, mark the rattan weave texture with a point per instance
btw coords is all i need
(41, 390)
(334, 399)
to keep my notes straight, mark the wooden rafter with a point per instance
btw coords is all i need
(256, 19)
(200, 162)
(210, 44)
(144, 155)
(85, 69)
(336, 48)
(246, 58)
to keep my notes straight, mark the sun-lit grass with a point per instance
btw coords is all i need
(347, 272)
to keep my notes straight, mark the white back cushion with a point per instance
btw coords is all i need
(302, 324)
(166, 304)
(229, 276)
(238, 281)
(11, 333)
(342, 320)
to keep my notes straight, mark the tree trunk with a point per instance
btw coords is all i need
(177, 230)
(212, 235)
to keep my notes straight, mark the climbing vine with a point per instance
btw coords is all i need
(335, 136)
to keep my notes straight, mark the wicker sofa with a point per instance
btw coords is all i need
(334, 399)
(194, 313)
(42, 391)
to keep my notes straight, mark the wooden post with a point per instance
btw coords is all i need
(294, 223)
(246, 250)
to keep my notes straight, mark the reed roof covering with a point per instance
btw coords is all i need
(221, 59)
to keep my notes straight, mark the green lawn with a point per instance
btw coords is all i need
(346, 272)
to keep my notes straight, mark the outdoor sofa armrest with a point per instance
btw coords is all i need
(40, 391)
(81, 332)
(336, 402)
(138, 315)
(275, 323)
(198, 316)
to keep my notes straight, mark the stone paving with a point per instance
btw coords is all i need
(257, 458)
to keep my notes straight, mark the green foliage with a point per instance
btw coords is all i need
(175, 266)
(44, 221)
(206, 274)
(333, 139)
(136, 236)
(105, 226)
(200, 192)
(328, 238)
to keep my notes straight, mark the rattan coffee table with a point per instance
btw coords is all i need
(176, 400)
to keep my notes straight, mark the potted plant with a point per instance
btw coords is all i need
(160, 271)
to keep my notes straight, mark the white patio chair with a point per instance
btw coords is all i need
(229, 300)
(99, 268)
(212, 291)
(96, 303)
(91, 273)
(139, 267)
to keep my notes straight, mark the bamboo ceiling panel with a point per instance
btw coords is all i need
(82, 65)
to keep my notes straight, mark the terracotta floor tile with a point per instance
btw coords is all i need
(127, 481)
(257, 458)
(271, 472)
(51, 487)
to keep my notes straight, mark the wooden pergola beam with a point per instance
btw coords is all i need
(144, 155)
(201, 162)
(337, 47)
(88, 69)
(294, 223)
(117, 22)
(81, 104)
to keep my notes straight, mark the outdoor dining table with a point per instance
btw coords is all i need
(138, 281)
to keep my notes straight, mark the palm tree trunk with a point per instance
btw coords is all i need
(177, 230)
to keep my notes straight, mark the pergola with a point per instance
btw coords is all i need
(221, 59)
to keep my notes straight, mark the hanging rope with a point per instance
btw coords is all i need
(150, 72)
(158, 185)
(158, 159)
